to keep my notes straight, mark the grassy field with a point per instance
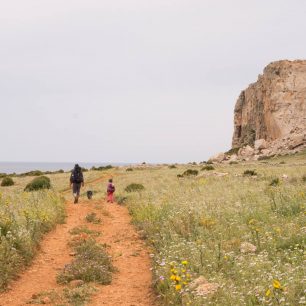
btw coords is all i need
(25, 217)
(218, 238)
(244, 234)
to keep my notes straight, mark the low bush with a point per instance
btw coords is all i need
(121, 199)
(233, 162)
(134, 187)
(3, 175)
(172, 167)
(249, 173)
(7, 181)
(31, 173)
(179, 175)
(41, 182)
(92, 218)
(208, 168)
(209, 162)
(91, 264)
(304, 178)
(190, 172)
(129, 169)
(102, 168)
(274, 182)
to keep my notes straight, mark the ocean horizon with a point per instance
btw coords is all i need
(21, 167)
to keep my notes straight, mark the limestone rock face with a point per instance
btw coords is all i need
(273, 110)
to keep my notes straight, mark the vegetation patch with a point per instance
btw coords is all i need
(92, 218)
(208, 168)
(7, 181)
(129, 169)
(77, 296)
(304, 178)
(91, 264)
(249, 173)
(275, 182)
(83, 230)
(190, 172)
(41, 182)
(24, 219)
(172, 167)
(134, 187)
(102, 168)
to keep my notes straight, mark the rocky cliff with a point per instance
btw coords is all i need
(271, 113)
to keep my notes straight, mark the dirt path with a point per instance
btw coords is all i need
(131, 284)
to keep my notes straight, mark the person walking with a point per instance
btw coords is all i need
(110, 191)
(76, 181)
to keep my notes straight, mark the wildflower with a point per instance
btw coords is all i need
(276, 284)
(184, 262)
(177, 278)
(178, 287)
(268, 292)
(173, 277)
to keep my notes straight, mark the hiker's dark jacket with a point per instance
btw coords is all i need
(76, 176)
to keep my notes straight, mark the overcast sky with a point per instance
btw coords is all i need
(134, 80)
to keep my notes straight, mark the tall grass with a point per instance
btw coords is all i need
(197, 227)
(24, 218)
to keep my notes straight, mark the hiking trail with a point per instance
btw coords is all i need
(131, 284)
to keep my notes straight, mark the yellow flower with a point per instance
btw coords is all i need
(184, 262)
(177, 278)
(174, 271)
(183, 270)
(178, 287)
(268, 292)
(173, 277)
(276, 284)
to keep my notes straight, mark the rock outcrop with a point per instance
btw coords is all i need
(270, 115)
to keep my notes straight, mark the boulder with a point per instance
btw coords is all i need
(260, 144)
(247, 247)
(296, 141)
(218, 158)
(246, 151)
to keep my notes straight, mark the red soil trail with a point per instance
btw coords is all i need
(131, 283)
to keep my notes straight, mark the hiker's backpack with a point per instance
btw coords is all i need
(77, 176)
(110, 188)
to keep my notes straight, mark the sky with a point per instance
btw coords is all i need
(134, 80)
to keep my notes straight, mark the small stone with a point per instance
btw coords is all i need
(247, 247)
(46, 300)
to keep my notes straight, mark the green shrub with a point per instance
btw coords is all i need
(172, 167)
(7, 181)
(209, 162)
(102, 168)
(233, 162)
(304, 178)
(91, 264)
(179, 175)
(249, 173)
(31, 173)
(208, 168)
(129, 169)
(274, 182)
(190, 172)
(92, 218)
(134, 187)
(3, 175)
(121, 199)
(41, 182)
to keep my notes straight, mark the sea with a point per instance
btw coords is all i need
(21, 167)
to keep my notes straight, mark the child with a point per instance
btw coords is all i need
(110, 191)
